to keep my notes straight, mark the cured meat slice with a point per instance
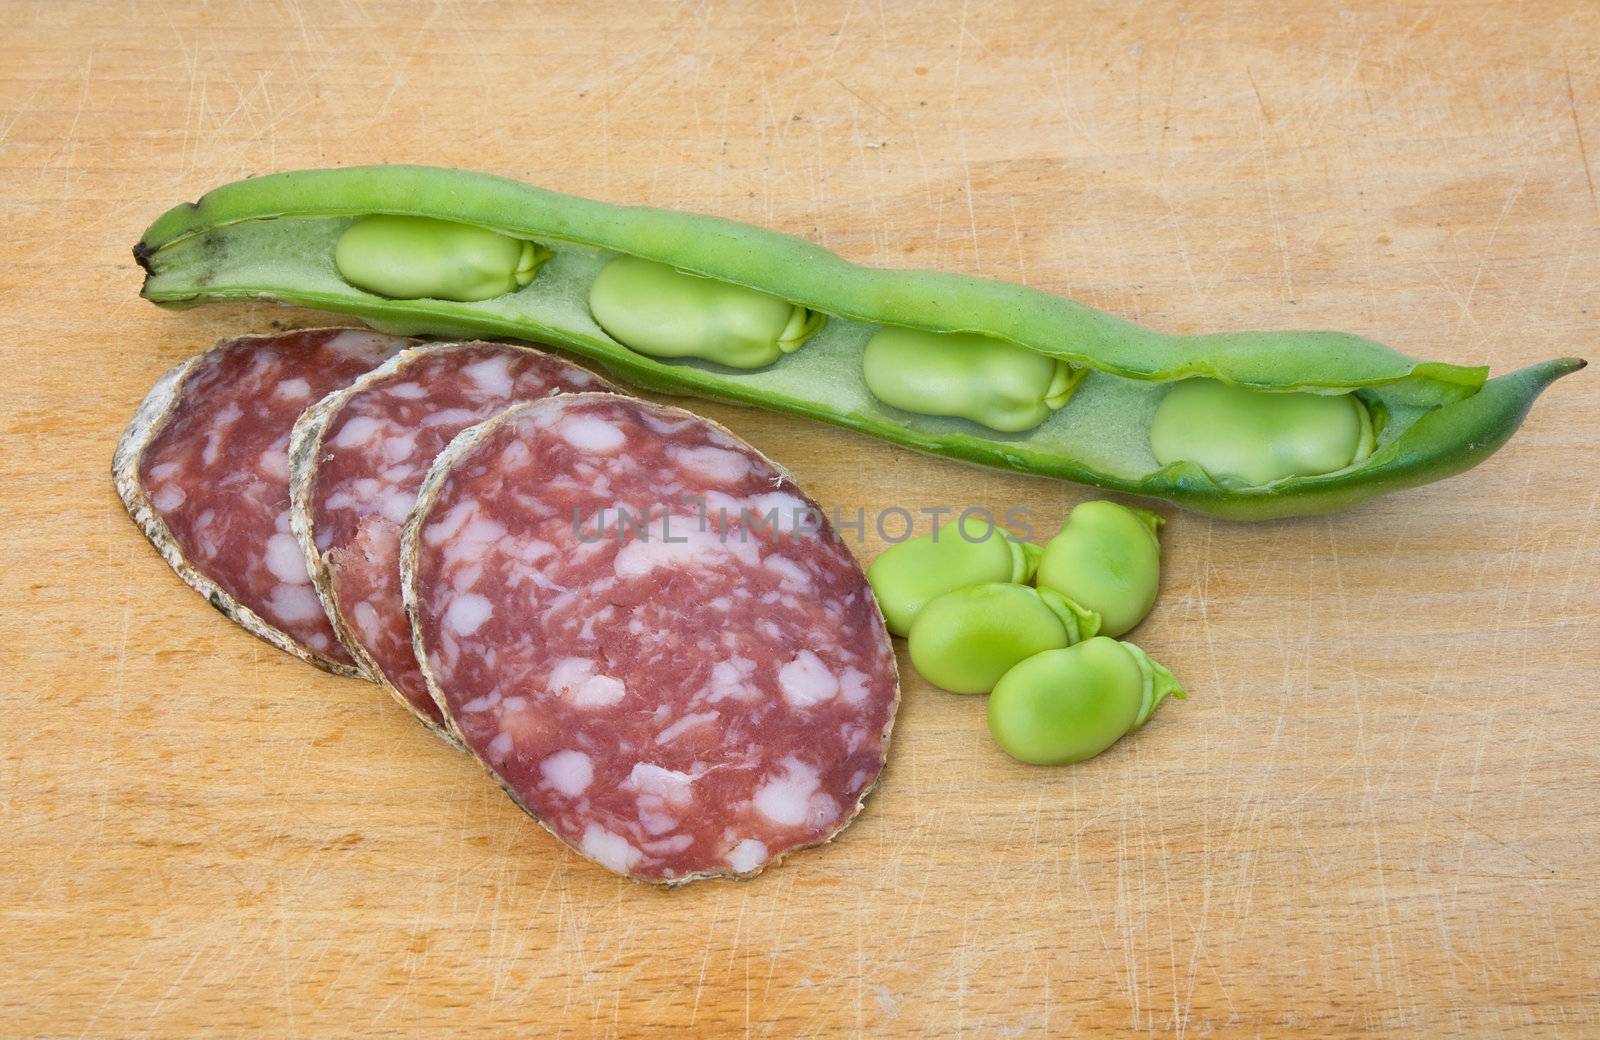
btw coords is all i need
(356, 460)
(693, 690)
(203, 469)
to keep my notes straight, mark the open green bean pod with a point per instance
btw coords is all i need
(276, 237)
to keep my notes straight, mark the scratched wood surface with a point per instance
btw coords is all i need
(1376, 816)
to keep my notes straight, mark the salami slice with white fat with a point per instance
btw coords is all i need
(203, 469)
(690, 696)
(356, 460)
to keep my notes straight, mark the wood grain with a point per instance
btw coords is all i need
(1376, 816)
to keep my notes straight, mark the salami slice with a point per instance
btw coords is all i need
(203, 469)
(356, 460)
(691, 695)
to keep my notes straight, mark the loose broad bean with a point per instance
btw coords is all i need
(1254, 437)
(414, 258)
(663, 312)
(906, 576)
(1068, 705)
(965, 640)
(989, 381)
(1108, 559)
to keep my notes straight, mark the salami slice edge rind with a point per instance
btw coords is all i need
(306, 452)
(410, 546)
(147, 422)
(305, 443)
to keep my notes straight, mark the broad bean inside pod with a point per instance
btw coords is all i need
(275, 237)
(965, 640)
(1256, 438)
(1108, 559)
(1067, 705)
(413, 258)
(664, 312)
(1001, 385)
(905, 577)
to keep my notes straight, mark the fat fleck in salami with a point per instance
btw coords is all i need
(677, 702)
(204, 470)
(356, 460)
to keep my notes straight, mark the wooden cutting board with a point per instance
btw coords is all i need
(1376, 815)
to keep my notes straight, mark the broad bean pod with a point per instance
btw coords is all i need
(274, 237)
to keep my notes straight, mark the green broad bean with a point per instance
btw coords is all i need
(414, 258)
(989, 381)
(905, 577)
(1068, 705)
(1256, 438)
(666, 313)
(1107, 558)
(965, 640)
(274, 237)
